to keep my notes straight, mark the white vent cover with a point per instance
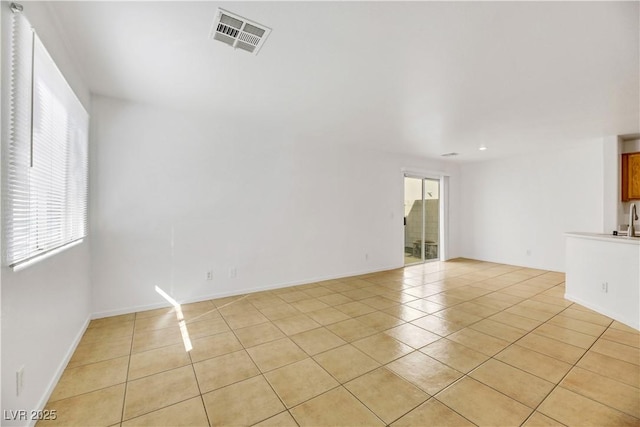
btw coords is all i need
(238, 32)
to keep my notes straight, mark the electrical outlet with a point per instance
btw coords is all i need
(528, 252)
(233, 272)
(366, 256)
(605, 287)
(19, 380)
(210, 275)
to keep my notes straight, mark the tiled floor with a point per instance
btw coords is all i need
(455, 343)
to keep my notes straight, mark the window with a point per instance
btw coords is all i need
(45, 169)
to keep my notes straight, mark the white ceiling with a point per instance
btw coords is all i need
(422, 78)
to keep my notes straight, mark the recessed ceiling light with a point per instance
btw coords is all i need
(482, 147)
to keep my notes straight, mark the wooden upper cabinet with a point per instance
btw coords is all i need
(630, 176)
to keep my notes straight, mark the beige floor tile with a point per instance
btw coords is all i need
(617, 351)
(425, 305)
(186, 413)
(243, 403)
(156, 322)
(516, 321)
(382, 347)
(623, 397)
(242, 320)
(199, 310)
(317, 340)
(300, 381)
(293, 296)
(544, 307)
(551, 347)
(279, 311)
(455, 315)
(483, 405)
(577, 325)
(346, 362)
(358, 294)
(573, 409)
(412, 335)
(379, 321)
(158, 391)
(564, 335)
(405, 312)
(479, 341)
(148, 340)
(214, 345)
(386, 394)
(154, 312)
(265, 301)
(319, 291)
(539, 420)
(623, 327)
(283, 419)
(275, 354)
(296, 324)
(432, 413)
(622, 337)
(158, 360)
(498, 330)
(86, 378)
(575, 312)
(327, 316)
(535, 363)
(258, 334)
(346, 411)
(529, 313)
(355, 308)
(96, 351)
(204, 328)
(611, 367)
(224, 370)
(474, 308)
(515, 383)
(445, 300)
(425, 372)
(307, 305)
(351, 330)
(112, 321)
(100, 407)
(335, 299)
(437, 325)
(379, 302)
(109, 332)
(455, 355)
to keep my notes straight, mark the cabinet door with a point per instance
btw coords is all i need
(633, 177)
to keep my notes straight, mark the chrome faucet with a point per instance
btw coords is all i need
(633, 216)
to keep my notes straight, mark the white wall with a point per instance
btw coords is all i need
(176, 195)
(526, 203)
(45, 307)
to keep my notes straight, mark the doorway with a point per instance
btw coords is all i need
(421, 220)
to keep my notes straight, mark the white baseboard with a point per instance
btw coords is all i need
(135, 309)
(633, 323)
(61, 367)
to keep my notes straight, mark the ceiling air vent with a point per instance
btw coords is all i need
(238, 32)
(449, 154)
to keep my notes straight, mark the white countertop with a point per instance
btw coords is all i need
(606, 238)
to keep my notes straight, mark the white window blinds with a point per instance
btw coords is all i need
(45, 179)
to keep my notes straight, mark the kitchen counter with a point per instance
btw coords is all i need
(603, 274)
(606, 238)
